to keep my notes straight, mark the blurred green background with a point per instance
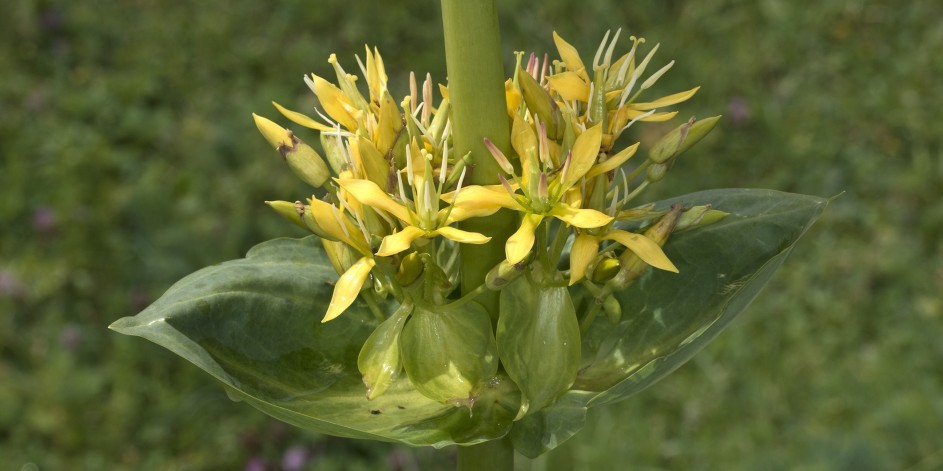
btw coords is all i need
(129, 159)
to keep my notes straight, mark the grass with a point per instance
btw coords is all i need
(129, 160)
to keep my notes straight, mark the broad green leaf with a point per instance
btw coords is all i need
(668, 317)
(254, 324)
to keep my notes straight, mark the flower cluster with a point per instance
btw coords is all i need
(392, 190)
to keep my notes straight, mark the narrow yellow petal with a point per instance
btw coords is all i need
(584, 250)
(464, 237)
(645, 248)
(333, 101)
(570, 86)
(326, 217)
(348, 287)
(666, 100)
(520, 243)
(583, 157)
(400, 241)
(370, 194)
(301, 119)
(613, 162)
(582, 218)
(570, 56)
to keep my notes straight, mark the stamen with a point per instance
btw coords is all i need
(402, 191)
(543, 191)
(637, 118)
(543, 146)
(409, 164)
(544, 69)
(638, 73)
(413, 93)
(363, 69)
(427, 99)
(612, 46)
(566, 165)
(506, 185)
(499, 157)
(360, 224)
(443, 165)
(602, 46)
(310, 82)
(613, 205)
(654, 77)
(325, 118)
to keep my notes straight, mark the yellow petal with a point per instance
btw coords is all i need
(333, 101)
(520, 243)
(613, 162)
(666, 100)
(326, 217)
(570, 57)
(570, 86)
(512, 96)
(348, 287)
(301, 119)
(582, 218)
(478, 201)
(464, 237)
(584, 250)
(370, 194)
(583, 157)
(645, 248)
(400, 241)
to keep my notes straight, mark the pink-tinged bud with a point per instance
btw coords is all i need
(499, 157)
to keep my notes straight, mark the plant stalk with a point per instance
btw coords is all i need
(496, 455)
(476, 92)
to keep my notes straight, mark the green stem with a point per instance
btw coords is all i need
(496, 455)
(476, 94)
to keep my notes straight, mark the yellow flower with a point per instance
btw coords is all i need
(609, 96)
(542, 189)
(586, 247)
(424, 219)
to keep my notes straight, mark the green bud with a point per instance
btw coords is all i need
(613, 309)
(380, 361)
(597, 103)
(449, 353)
(681, 139)
(334, 152)
(606, 269)
(409, 269)
(699, 216)
(538, 340)
(502, 274)
(303, 160)
(289, 210)
(656, 172)
(539, 102)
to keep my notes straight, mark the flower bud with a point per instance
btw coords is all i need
(409, 269)
(289, 210)
(539, 102)
(613, 309)
(449, 353)
(656, 172)
(681, 139)
(303, 160)
(606, 269)
(502, 274)
(380, 361)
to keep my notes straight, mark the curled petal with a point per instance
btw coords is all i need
(464, 237)
(570, 86)
(348, 287)
(645, 248)
(398, 242)
(370, 194)
(520, 243)
(334, 101)
(582, 218)
(478, 201)
(584, 250)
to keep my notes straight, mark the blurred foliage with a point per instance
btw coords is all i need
(128, 159)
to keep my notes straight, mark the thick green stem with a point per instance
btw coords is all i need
(496, 455)
(476, 93)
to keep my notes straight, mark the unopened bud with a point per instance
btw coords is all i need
(613, 309)
(656, 172)
(502, 274)
(409, 269)
(681, 139)
(303, 160)
(606, 269)
(289, 211)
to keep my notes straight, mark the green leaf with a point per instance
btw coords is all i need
(254, 324)
(668, 317)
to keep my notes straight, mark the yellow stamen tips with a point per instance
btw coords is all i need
(348, 287)
(499, 157)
